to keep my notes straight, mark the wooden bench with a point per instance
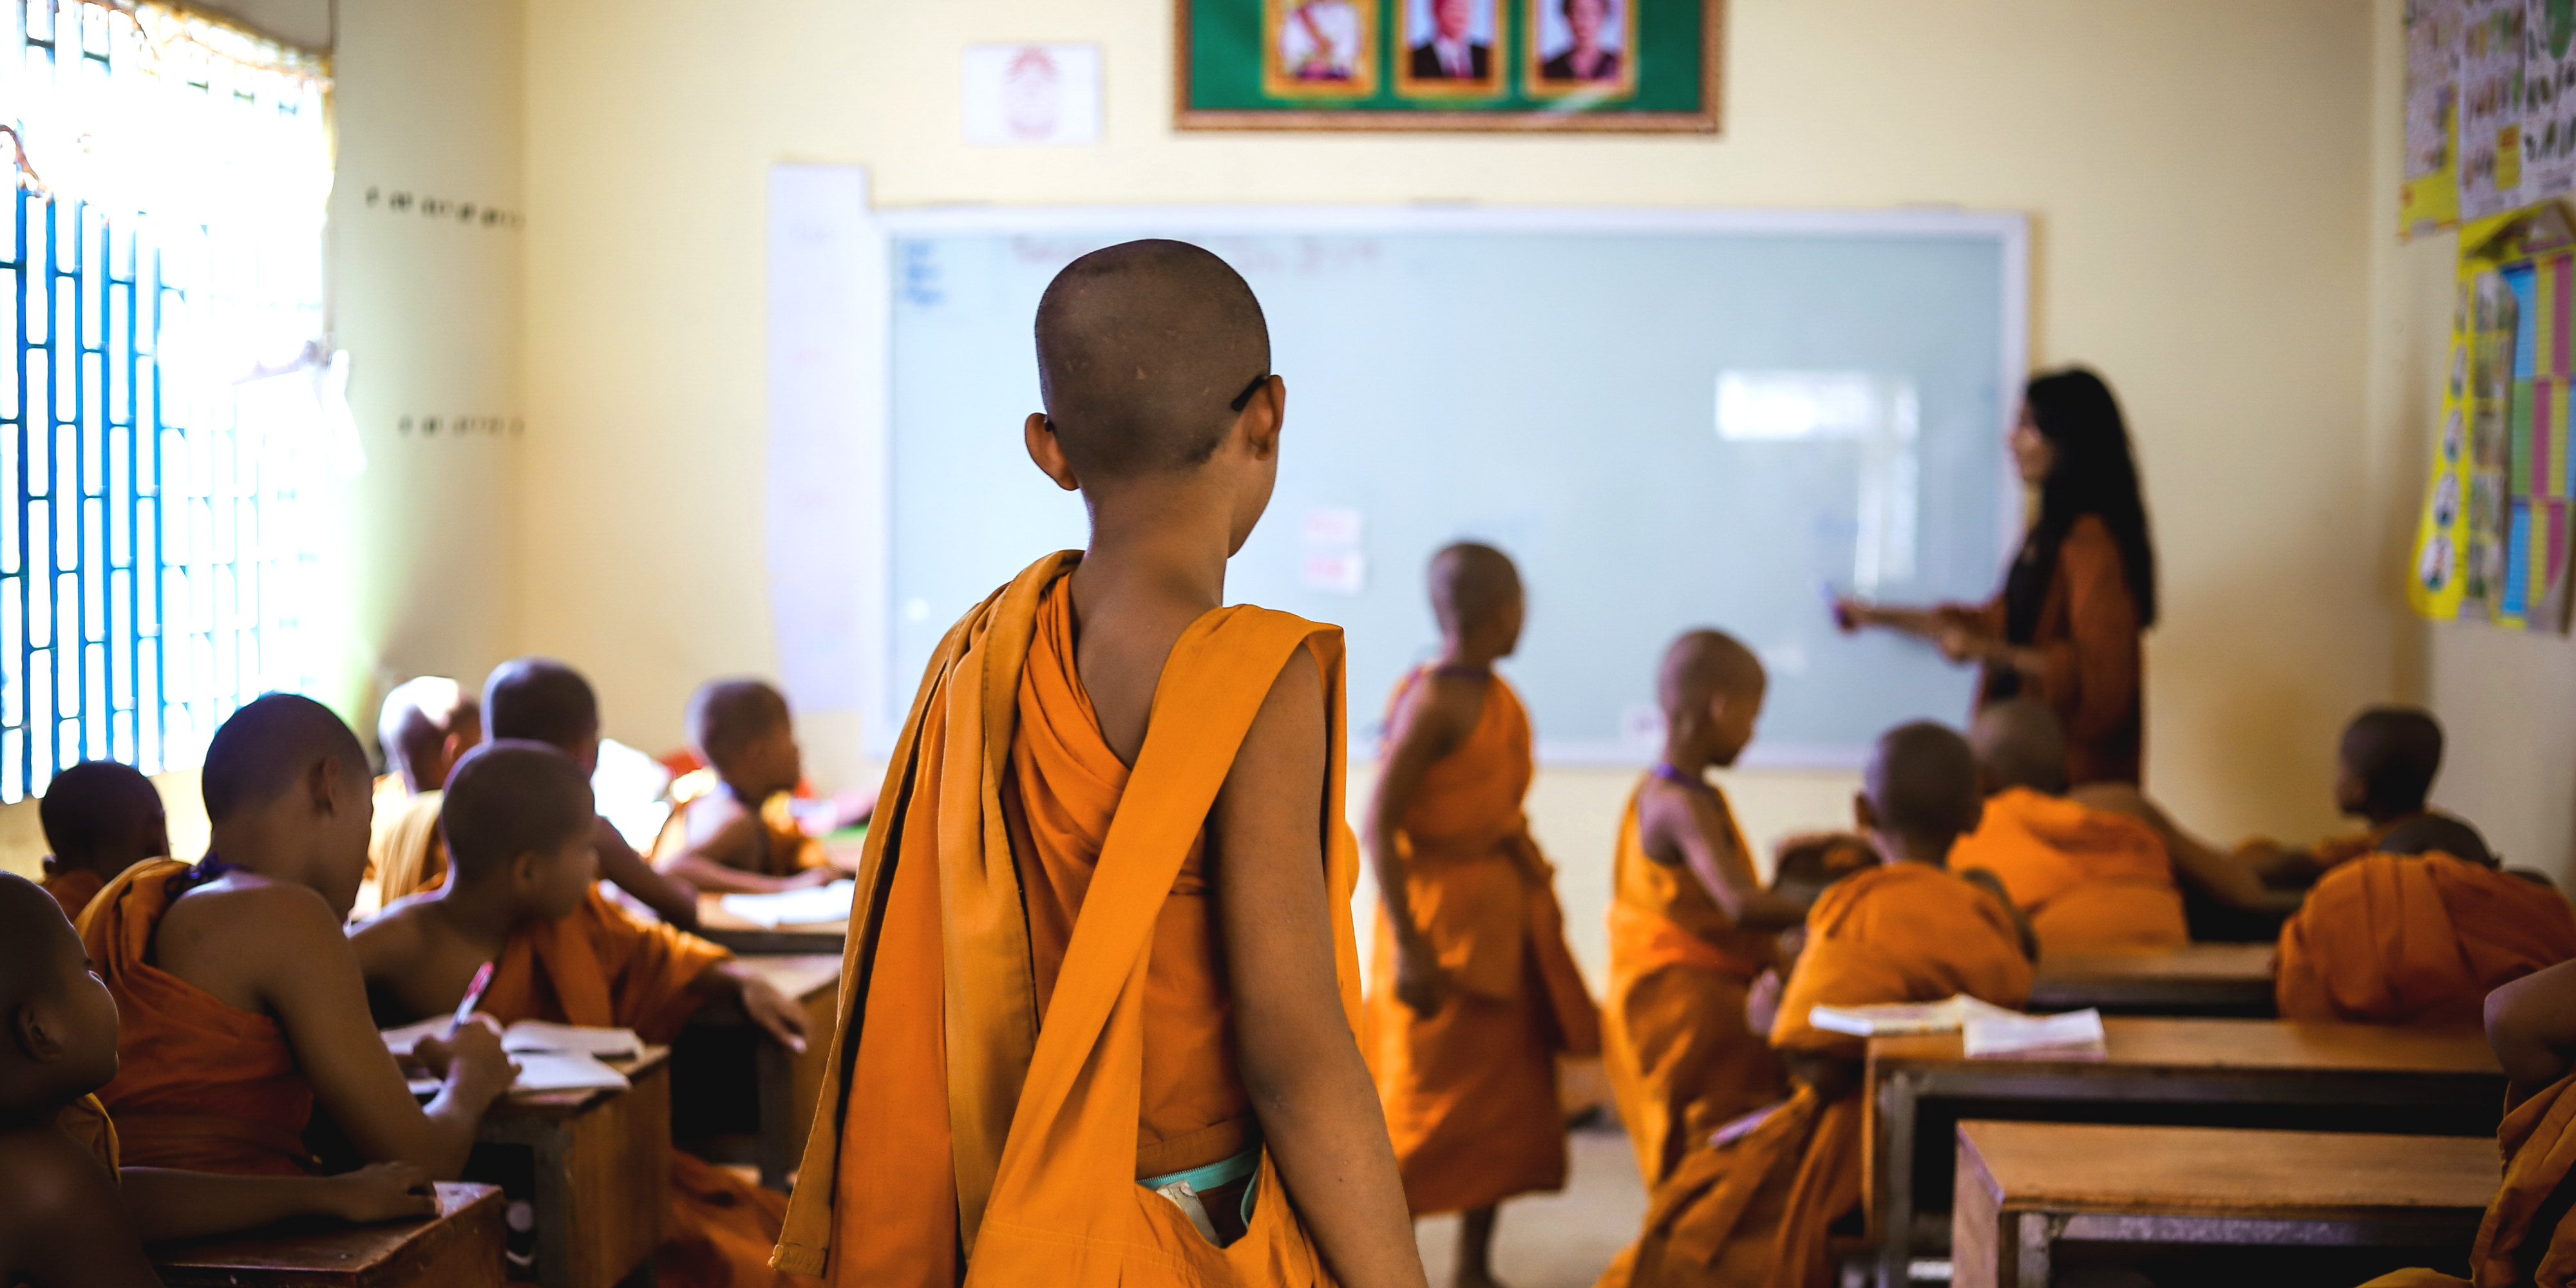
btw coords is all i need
(788, 1085)
(458, 1248)
(2196, 979)
(2026, 1188)
(2178, 1072)
(751, 939)
(602, 1163)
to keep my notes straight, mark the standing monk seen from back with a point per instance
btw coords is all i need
(1097, 1017)
(1476, 989)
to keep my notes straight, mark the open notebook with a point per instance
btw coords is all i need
(551, 1057)
(811, 906)
(1988, 1030)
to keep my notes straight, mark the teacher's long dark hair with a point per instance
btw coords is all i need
(2093, 473)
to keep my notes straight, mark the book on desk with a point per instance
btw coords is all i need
(551, 1057)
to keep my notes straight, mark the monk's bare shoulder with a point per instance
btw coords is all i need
(1441, 712)
(239, 939)
(61, 1220)
(713, 813)
(397, 935)
(1663, 809)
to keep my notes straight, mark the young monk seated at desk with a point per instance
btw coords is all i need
(2417, 932)
(1117, 830)
(100, 818)
(1691, 927)
(541, 700)
(242, 1005)
(428, 722)
(523, 894)
(740, 833)
(64, 1218)
(2089, 880)
(1477, 992)
(2385, 765)
(1755, 1202)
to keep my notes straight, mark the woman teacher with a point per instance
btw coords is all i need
(2065, 629)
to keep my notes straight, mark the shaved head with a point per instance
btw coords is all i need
(103, 816)
(1142, 350)
(1704, 664)
(27, 945)
(419, 715)
(509, 798)
(2438, 833)
(1922, 784)
(542, 700)
(2020, 743)
(2393, 753)
(726, 715)
(270, 744)
(1470, 583)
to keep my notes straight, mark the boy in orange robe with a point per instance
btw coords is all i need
(241, 1003)
(2385, 765)
(1476, 991)
(542, 700)
(100, 818)
(427, 724)
(69, 1213)
(1752, 1203)
(2089, 880)
(2417, 933)
(1691, 927)
(523, 895)
(1097, 1018)
(740, 832)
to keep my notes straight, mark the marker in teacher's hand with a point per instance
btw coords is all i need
(1834, 605)
(473, 998)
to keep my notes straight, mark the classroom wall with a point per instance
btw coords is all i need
(2201, 175)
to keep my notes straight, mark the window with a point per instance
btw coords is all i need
(165, 421)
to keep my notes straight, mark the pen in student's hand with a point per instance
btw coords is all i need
(473, 996)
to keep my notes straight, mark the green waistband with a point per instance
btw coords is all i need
(1224, 1171)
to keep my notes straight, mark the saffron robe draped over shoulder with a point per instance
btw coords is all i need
(200, 1086)
(785, 848)
(1756, 1209)
(1681, 1057)
(1470, 1091)
(2538, 1138)
(604, 968)
(2396, 939)
(1000, 1076)
(2090, 881)
(407, 851)
(74, 889)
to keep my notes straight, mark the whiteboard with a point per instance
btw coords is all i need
(1669, 418)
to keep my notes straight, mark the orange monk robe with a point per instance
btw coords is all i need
(201, 1086)
(1755, 1210)
(2538, 1138)
(86, 1122)
(74, 889)
(1470, 1092)
(406, 851)
(2394, 939)
(1674, 1041)
(786, 849)
(601, 967)
(2090, 881)
(1034, 1014)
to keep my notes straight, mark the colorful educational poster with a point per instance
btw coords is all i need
(2430, 199)
(2549, 100)
(2491, 106)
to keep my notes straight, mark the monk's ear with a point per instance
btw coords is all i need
(524, 873)
(27, 1026)
(55, 867)
(1047, 451)
(1263, 417)
(322, 784)
(1863, 817)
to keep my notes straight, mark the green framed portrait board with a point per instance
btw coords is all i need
(1599, 65)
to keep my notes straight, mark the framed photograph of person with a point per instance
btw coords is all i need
(1580, 47)
(1319, 48)
(1450, 49)
(1556, 65)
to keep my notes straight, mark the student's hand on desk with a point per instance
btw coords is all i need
(774, 1011)
(1419, 981)
(470, 1059)
(1762, 1003)
(382, 1192)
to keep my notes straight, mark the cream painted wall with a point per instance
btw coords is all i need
(2200, 173)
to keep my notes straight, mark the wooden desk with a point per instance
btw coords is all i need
(2196, 979)
(2177, 1072)
(459, 1248)
(602, 1164)
(789, 1085)
(751, 939)
(2023, 1188)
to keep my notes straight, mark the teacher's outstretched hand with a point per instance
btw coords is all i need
(2065, 626)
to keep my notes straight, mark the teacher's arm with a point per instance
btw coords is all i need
(1922, 623)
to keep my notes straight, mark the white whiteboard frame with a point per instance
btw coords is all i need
(2010, 230)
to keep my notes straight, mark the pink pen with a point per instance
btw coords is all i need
(473, 994)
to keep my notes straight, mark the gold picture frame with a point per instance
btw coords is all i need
(1299, 32)
(1535, 58)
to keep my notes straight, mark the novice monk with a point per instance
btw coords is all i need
(100, 818)
(428, 723)
(2384, 768)
(1753, 1205)
(1097, 1016)
(541, 700)
(523, 894)
(1476, 990)
(241, 1001)
(2418, 932)
(741, 833)
(63, 1219)
(2089, 880)
(1690, 925)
